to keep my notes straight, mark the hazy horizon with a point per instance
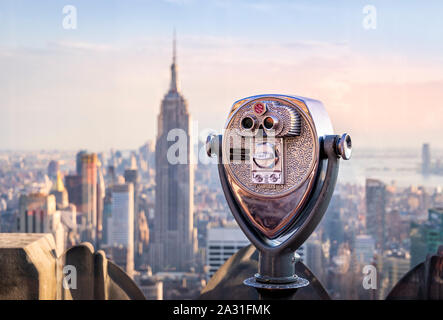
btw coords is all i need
(100, 86)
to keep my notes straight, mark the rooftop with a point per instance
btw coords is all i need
(226, 234)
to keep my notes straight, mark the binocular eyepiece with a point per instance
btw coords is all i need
(278, 165)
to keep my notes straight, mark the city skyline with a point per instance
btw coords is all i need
(104, 168)
(98, 87)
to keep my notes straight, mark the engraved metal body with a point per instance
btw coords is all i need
(278, 163)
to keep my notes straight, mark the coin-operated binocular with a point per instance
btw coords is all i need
(278, 163)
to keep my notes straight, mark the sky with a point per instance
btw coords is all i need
(100, 86)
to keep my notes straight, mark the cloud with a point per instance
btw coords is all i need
(97, 96)
(82, 46)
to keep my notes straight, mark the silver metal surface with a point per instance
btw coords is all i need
(209, 144)
(278, 182)
(294, 125)
(267, 162)
(297, 283)
(253, 121)
(344, 147)
(286, 188)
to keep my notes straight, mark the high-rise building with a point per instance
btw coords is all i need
(434, 237)
(418, 247)
(68, 217)
(376, 211)
(222, 243)
(133, 161)
(53, 169)
(101, 190)
(426, 237)
(73, 184)
(107, 215)
(121, 224)
(313, 257)
(111, 176)
(60, 193)
(86, 191)
(79, 162)
(131, 176)
(174, 236)
(121, 231)
(394, 266)
(364, 249)
(147, 159)
(89, 195)
(35, 211)
(334, 226)
(426, 159)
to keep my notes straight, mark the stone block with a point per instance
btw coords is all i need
(28, 266)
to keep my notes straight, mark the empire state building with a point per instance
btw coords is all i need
(174, 235)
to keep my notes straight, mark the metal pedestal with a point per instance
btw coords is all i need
(276, 278)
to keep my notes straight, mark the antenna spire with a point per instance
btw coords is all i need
(174, 46)
(173, 87)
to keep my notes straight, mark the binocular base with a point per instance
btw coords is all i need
(296, 283)
(276, 291)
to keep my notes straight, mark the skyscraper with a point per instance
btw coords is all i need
(426, 237)
(174, 245)
(364, 249)
(35, 211)
(122, 215)
(376, 211)
(131, 177)
(60, 193)
(426, 159)
(107, 215)
(147, 159)
(121, 231)
(53, 169)
(89, 194)
(101, 192)
(313, 257)
(434, 236)
(395, 265)
(78, 162)
(37, 214)
(418, 236)
(86, 191)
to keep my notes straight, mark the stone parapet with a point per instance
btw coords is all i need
(28, 266)
(30, 269)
